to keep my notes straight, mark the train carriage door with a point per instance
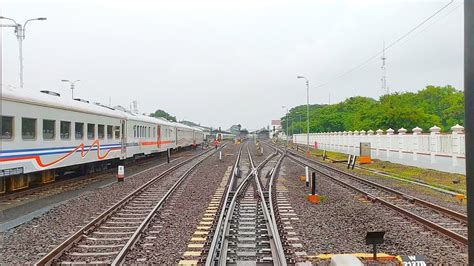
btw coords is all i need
(158, 136)
(123, 142)
(176, 135)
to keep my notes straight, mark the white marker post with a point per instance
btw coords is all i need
(120, 173)
(307, 175)
(220, 155)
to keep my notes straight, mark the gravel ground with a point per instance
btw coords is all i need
(257, 158)
(51, 228)
(339, 224)
(421, 192)
(178, 220)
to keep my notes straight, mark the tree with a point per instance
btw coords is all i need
(434, 105)
(163, 114)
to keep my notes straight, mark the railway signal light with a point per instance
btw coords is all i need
(374, 238)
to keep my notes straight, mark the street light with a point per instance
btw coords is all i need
(20, 35)
(72, 85)
(307, 113)
(286, 126)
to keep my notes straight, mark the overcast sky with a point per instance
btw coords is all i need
(224, 62)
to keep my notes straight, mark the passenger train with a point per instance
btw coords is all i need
(44, 135)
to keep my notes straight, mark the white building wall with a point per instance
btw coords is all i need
(443, 152)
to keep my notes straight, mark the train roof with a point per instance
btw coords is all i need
(54, 100)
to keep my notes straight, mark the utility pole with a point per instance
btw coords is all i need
(286, 126)
(307, 113)
(469, 118)
(20, 35)
(384, 72)
(72, 83)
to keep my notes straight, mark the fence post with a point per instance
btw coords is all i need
(389, 141)
(356, 141)
(340, 140)
(416, 142)
(345, 140)
(379, 140)
(457, 130)
(350, 141)
(401, 141)
(434, 142)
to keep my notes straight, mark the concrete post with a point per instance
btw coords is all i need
(356, 142)
(350, 142)
(401, 141)
(345, 140)
(434, 142)
(339, 140)
(416, 142)
(457, 130)
(379, 141)
(389, 140)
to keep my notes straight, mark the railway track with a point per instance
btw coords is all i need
(73, 183)
(440, 219)
(109, 236)
(246, 232)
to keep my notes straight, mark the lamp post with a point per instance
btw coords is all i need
(72, 85)
(20, 35)
(307, 113)
(286, 126)
(469, 116)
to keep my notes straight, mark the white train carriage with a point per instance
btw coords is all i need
(41, 132)
(184, 135)
(44, 134)
(198, 136)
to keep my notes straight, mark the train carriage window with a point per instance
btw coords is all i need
(117, 132)
(149, 134)
(6, 127)
(79, 130)
(90, 131)
(100, 131)
(65, 130)
(49, 129)
(134, 131)
(28, 128)
(110, 134)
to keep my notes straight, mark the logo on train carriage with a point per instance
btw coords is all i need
(36, 154)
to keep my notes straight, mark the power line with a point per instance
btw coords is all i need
(386, 48)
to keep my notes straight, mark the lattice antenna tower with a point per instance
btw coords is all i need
(385, 89)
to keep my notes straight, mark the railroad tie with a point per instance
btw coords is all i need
(286, 216)
(195, 248)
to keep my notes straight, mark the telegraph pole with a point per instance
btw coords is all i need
(469, 118)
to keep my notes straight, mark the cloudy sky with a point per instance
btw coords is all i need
(224, 62)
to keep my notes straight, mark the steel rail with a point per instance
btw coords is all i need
(455, 236)
(213, 245)
(456, 215)
(278, 253)
(272, 212)
(78, 235)
(123, 252)
(216, 250)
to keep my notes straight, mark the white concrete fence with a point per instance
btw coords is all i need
(436, 150)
